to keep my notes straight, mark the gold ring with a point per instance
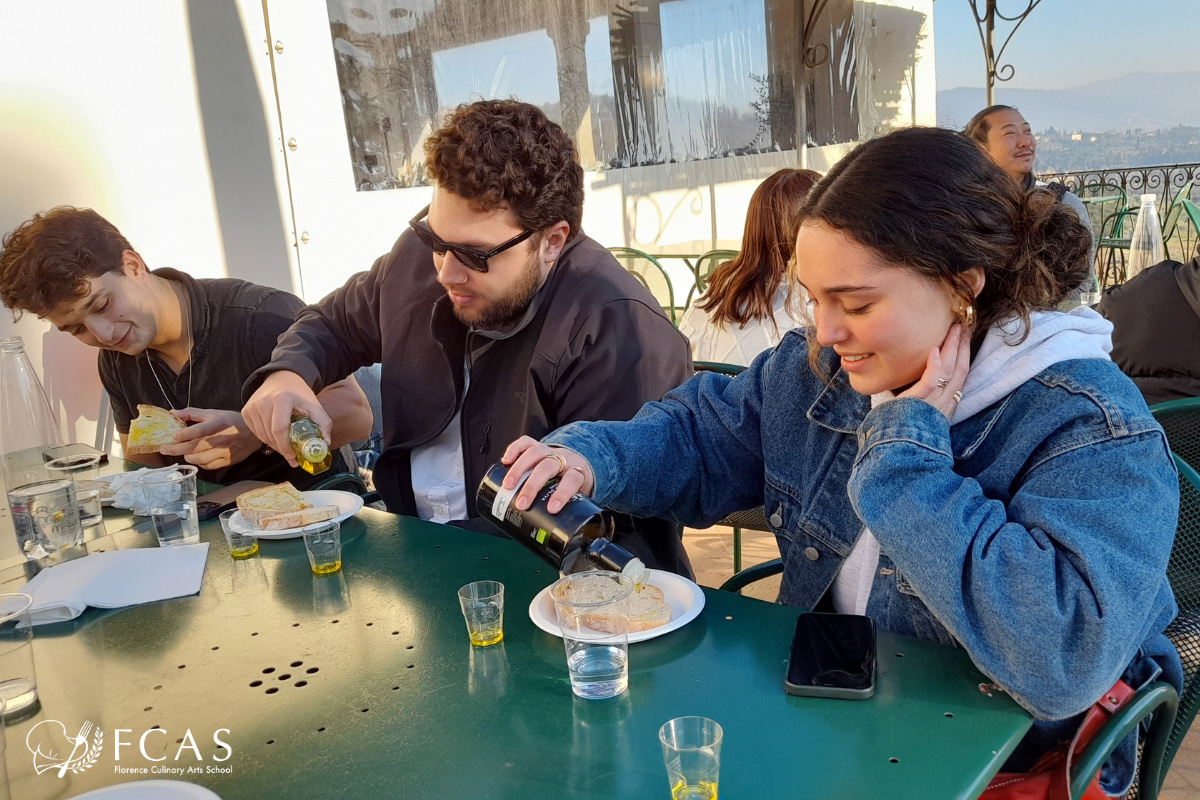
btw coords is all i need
(957, 396)
(562, 463)
(941, 382)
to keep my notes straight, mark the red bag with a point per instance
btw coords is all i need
(1050, 778)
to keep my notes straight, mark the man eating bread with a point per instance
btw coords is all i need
(493, 316)
(180, 346)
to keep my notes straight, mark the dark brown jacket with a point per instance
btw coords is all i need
(597, 347)
(1156, 329)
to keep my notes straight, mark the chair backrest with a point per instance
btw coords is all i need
(106, 423)
(1181, 421)
(1099, 212)
(705, 265)
(1183, 571)
(1193, 213)
(652, 275)
(1171, 216)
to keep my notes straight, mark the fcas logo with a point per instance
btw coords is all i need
(56, 750)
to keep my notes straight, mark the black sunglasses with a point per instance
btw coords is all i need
(468, 256)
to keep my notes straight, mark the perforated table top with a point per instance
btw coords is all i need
(362, 684)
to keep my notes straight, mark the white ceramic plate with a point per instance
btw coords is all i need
(685, 597)
(348, 504)
(151, 790)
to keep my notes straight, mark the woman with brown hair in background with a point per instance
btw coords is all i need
(746, 308)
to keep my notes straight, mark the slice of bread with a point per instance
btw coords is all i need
(647, 608)
(281, 506)
(153, 428)
(298, 519)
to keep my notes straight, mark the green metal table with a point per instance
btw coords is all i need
(362, 684)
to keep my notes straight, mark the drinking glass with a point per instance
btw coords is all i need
(82, 470)
(323, 542)
(482, 604)
(46, 517)
(4, 795)
(18, 682)
(692, 752)
(239, 534)
(170, 495)
(593, 615)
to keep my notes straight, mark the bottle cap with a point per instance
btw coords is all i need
(315, 450)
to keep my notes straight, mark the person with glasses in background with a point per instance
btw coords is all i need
(493, 316)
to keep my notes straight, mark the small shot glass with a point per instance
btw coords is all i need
(323, 542)
(239, 534)
(692, 754)
(482, 605)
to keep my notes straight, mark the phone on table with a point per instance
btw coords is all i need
(833, 655)
(211, 504)
(74, 449)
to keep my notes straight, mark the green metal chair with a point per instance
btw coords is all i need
(1102, 200)
(1181, 422)
(1193, 214)
(754, 519)
(1170, 222)
(347, 482)
(646, 268)
(704, 267)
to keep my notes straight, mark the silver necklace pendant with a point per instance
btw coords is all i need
(186, 303)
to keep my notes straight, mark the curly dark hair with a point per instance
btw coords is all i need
(931, 200)
(47, 260)
(497, 152)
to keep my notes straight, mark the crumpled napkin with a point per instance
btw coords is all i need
(127, 492)
(115, 579)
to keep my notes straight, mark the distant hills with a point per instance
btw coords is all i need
(1150, 101)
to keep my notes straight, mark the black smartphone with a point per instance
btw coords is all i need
(211, 504)
(75, 449)
(833, 655)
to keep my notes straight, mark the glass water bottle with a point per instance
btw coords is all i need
(1146, 247)
(28, 426)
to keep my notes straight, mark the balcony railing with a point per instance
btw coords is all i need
(1165, 181)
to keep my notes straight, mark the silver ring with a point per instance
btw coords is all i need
(941, 382)
(957, 396)
(562, 463)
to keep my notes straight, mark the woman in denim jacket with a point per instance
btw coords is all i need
(947, 454)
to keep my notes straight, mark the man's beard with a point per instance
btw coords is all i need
(509, 307)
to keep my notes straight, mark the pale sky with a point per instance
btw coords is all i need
(1069, 42)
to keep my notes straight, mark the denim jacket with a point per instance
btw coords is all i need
(1034, 534)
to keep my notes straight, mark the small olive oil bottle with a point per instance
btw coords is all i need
(310, 448)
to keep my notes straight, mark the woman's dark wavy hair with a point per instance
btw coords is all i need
(47, 260)
(497, 152)
(929, 199)
(743, 289)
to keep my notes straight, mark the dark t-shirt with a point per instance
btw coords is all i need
(235, 325)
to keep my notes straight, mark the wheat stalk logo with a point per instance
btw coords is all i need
(76, 761)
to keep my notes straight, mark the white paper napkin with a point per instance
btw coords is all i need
(115, 579)
(127, 492)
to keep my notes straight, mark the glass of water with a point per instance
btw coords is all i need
(46, 517)
(18, 684)
(170, 495)
(83, 471)
(593, 615)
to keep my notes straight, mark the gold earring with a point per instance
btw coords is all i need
(967, 316)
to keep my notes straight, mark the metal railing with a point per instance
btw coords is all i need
(1165, 181)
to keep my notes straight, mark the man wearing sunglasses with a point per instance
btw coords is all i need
(493, 316)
